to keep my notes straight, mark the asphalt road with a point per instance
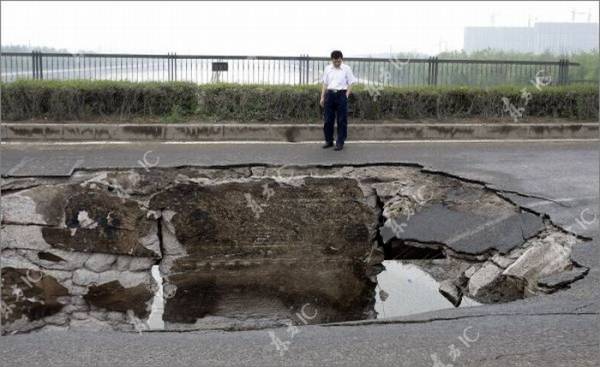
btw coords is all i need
(558, 178)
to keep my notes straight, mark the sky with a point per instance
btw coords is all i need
(269, 27)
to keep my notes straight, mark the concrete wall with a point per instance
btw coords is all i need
(14, 132)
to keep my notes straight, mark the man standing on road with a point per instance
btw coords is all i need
(337, 85)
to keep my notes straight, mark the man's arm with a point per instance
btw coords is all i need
(324, 88)
(351, 80)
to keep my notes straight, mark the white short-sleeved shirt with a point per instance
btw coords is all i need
(338, 78)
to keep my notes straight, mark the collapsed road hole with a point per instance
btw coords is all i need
(256, 246)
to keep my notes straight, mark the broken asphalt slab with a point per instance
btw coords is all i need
(440, 224)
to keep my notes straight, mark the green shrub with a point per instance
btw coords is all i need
(180, 101)
(80, 99)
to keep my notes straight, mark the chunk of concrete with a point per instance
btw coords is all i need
(38, 205)
(539, 261)
(141, 263)
(20, 209)
(483, 278)
(56, 259)
(502, 261)
(488, 285)
(100, 262)
(451, 291)
(84, 277)
(471, 270)
(23, 237)
(123, 262)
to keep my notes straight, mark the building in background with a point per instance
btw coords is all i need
(557, 38)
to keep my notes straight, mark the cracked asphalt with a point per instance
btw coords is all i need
(561, 329)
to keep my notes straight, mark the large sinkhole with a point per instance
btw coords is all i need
(260, 246)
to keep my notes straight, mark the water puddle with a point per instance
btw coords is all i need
(155, 321)
(409, 290)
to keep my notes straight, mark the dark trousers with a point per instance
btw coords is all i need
(336, 105)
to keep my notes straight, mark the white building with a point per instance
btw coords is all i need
(558, 38)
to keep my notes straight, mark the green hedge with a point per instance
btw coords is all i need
(179, 101)
(70, 100)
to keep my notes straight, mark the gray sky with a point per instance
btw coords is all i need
(268, 28)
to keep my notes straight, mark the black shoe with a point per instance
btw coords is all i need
(327, 145)
(338, 147)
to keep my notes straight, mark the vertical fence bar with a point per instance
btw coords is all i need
(169, 67)
(429, 70)
(435, 71)
(33, 65)
(299, 70)
(307, 66)
(175, 66)
(563, 71)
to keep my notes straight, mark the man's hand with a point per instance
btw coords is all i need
(322, 101)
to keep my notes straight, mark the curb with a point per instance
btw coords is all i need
(57, 132)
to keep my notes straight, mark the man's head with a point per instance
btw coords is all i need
(336, 58)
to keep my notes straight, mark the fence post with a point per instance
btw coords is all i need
(36, 65)
(563, 71)
(300, 70)
(173, 75)
(33, 65)
(307, 68)
(560, 72)
(428, 70)
(172, 67)
(432, 68)
(41, 67)
(435, 70)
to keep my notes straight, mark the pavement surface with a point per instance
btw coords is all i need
(561, 329)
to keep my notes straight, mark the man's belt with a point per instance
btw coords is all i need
(336, 90)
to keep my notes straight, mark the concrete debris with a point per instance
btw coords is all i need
(450, 290)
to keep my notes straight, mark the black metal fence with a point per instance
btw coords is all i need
(299, 70)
